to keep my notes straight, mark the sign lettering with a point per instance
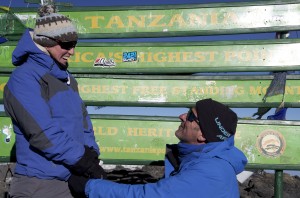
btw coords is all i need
(229, 57)
(177, 19)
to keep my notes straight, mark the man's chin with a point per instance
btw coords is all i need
(64, 66)
(177, 133)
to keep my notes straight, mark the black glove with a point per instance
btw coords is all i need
(77, 185)
(88, 165)
(96, 171)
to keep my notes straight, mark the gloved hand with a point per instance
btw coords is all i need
(77, 185)
(96, 171)
(88, 165)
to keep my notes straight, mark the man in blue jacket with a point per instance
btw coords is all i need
(203, 164)
(54, 134)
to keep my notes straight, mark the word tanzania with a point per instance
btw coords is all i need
(185, 19)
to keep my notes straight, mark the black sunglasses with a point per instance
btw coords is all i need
(191, 116)
(64, 45)
(67, 45)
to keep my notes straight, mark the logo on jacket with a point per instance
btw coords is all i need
(7, 132)
(271, 143)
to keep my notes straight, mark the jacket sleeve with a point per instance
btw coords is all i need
(169, 187)
(89, 134)
(103, 188)
(205, 180)
(31, 113)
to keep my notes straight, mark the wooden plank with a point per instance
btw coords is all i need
(177, 20)
(178, 57)
(142, 139)
(10, 24)
(181, 91)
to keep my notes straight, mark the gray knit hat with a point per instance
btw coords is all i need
(51, 27)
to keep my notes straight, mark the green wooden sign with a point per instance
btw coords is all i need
(172, 91)
(178, 20)
(187, 57)
(179, 91)
(268, 143)
(132, 141)
(10, 24)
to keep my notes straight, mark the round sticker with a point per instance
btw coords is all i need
(271, 143)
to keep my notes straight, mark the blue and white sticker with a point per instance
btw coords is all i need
(129, 56)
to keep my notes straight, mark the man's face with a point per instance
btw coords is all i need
(62, 52)
(189, 129)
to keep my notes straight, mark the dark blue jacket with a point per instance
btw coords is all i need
(49, 118)
(209, 172)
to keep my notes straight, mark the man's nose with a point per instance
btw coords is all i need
(71, 51)
(183, 117)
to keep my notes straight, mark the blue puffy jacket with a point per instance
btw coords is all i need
(210, 171)
(49, 118)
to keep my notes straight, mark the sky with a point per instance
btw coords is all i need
(292, 113)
